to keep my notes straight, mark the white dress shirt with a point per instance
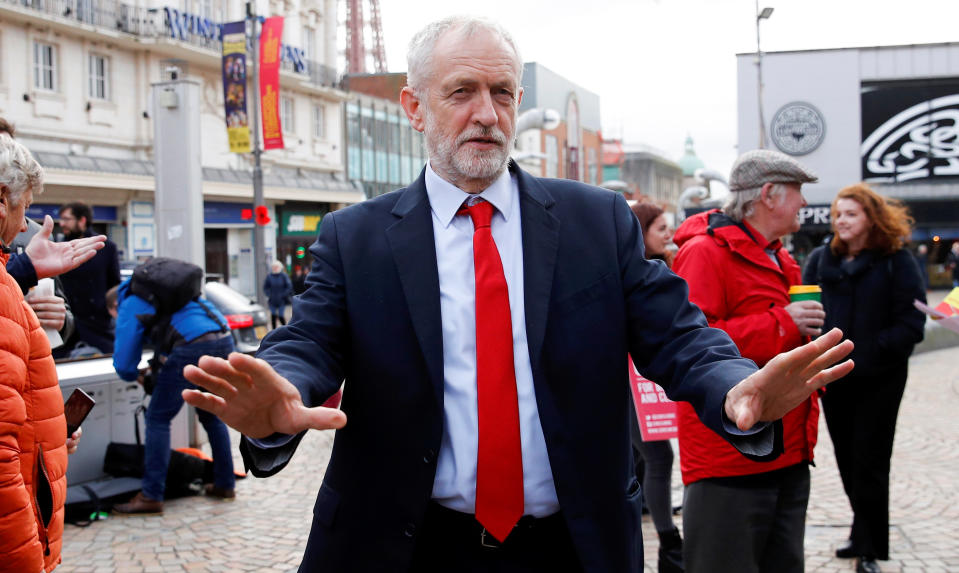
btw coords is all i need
(455, 483)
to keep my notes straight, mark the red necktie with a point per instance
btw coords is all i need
(499, 464)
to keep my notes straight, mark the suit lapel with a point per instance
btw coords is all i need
(414, 252)
(540, 245)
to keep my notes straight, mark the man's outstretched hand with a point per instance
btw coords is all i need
(787, 380)
(50, 259)
(249, 396)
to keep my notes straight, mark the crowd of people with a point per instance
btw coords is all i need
(480, 318)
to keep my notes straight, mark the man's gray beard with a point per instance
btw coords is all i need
(462, 163)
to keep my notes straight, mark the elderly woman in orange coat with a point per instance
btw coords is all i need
(33, 434)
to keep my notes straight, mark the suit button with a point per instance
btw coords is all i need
(429, 457)
(410, 530)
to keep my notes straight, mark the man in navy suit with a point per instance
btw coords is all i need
(390, 308)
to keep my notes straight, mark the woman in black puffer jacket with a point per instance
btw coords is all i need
(869, 282)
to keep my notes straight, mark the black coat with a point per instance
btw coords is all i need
(86, 287)
(870, 298)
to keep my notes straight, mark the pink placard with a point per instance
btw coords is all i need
(655, 412)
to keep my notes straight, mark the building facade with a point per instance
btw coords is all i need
(886, 115)
(384, 152)
(75, 80)
(573, 149)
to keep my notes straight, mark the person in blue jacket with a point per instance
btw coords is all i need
(198, 329)
(278, 289)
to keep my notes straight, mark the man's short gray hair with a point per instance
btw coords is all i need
(419, 58)
(19, 171)
(740, 204)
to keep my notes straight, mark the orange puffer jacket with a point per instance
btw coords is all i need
(33, 434)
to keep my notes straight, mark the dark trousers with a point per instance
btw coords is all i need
(452, 542)
(861, 414)
(747, 524)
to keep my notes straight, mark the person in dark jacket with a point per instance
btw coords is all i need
(299, 280)
(200, 330)
(86, 286)
(278, 289)
(868, 285)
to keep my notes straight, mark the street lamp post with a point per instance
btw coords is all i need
(260, 264)
(764, 15)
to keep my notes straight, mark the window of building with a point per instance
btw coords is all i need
(99, 77)
(309, 43)
(319, 121)
(593, 167)
(286, 114)
(44, 66)
(552, 156)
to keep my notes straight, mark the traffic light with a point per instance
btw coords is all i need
(301, 252)
(262, 215)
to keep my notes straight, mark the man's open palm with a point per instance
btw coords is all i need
(249, 396)
(50, 259)
(787, 380)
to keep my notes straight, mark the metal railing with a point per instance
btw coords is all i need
(154, 23)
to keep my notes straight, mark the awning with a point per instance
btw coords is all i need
(279, 184)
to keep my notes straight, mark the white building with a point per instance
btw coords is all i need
(887, 115)
(75, 79)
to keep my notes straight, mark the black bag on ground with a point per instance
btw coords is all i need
(91, 501)
(185, 476)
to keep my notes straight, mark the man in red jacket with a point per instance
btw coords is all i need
(752, 513)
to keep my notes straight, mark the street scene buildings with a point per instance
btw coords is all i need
(78, 78)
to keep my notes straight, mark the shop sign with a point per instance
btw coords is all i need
(38, 211)
(225, 213)
(797, 128)
(301, 224)
(813, 216)
(185, 26)
(910, 130)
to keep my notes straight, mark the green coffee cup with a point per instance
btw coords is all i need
(805, 292)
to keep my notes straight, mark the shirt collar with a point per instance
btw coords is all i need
(759, 239)
(446, 198)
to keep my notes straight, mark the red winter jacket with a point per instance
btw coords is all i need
(33, 435)
(742, 291)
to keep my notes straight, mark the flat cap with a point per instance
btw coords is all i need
(755, 168)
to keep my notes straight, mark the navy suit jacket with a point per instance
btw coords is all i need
(371, 316)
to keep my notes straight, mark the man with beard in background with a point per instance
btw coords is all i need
(87, 285)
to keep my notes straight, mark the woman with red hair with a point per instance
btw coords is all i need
(869, 281)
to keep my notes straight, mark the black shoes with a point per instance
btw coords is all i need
(670, 552)
(867, 565)
(846, 550)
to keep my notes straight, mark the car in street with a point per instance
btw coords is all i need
(247, 320)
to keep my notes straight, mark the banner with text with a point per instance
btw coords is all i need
(234, 86)
(656, 413)
(270, 35)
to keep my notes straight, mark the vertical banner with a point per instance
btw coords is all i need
(656, 413)
(234, 86)
(270, 35)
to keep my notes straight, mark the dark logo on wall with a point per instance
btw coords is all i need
(797, 128)
(910, 131)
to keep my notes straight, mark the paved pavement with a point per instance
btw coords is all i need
(265, 529)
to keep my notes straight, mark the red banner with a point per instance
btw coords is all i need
(270, 35)
(656, 413)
